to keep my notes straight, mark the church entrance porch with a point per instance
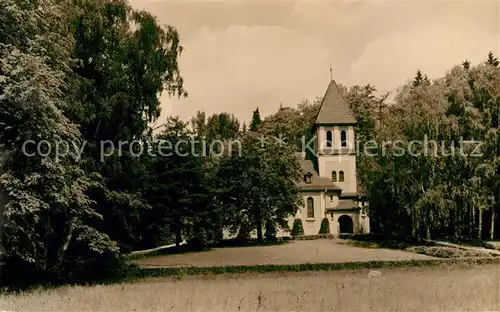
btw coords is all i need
(345, 225)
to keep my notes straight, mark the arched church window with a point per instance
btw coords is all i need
(341, 176)
(310, 207)
(329, 139)
(334, 176)
(343, 138)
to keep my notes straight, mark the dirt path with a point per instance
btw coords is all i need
(296, 252)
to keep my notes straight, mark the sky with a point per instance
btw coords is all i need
(240, 55)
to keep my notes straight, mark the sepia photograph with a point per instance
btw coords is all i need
(258, 155)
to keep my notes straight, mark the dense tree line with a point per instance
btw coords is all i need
(448, 184)
(90, 73)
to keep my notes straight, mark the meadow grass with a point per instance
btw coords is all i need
(447, 287)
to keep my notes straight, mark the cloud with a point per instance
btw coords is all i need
(246, 55)
(242, 67)
(388, 61)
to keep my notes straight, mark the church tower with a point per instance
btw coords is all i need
(330, 189)
(335, 141)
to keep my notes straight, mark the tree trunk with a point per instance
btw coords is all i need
(428, 227)
(178, 228)
(480, 228)
(67, 240)
(258, 224)
(453, 224)
(3, 203)
(492, 228)
(473, 223)
(413, 223)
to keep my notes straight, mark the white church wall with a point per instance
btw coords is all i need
(311, 225)
(332, 200)
(334, 216)
(345, 163)
(336, 137)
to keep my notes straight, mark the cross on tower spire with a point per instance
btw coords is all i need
(331, 75)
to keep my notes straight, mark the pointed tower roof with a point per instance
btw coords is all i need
(334, 108)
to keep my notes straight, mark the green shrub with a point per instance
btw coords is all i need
(297, 229)
(314, 237)
(447, 252)
(86, 267)
(243, 233)
(270, 233)
(199, 237)
(325, 226)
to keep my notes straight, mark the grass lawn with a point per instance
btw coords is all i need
(444, 288)
(294, 252)
(493, 244)
(440, 249)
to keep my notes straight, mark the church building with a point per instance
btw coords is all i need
(329, 186)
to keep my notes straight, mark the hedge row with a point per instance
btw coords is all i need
(188, 271)
(131, 272)
(313, 237)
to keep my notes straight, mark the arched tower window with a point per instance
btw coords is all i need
(341, 176)
(329, 139)
(310, 207)
(343, 138)
(334, 176)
